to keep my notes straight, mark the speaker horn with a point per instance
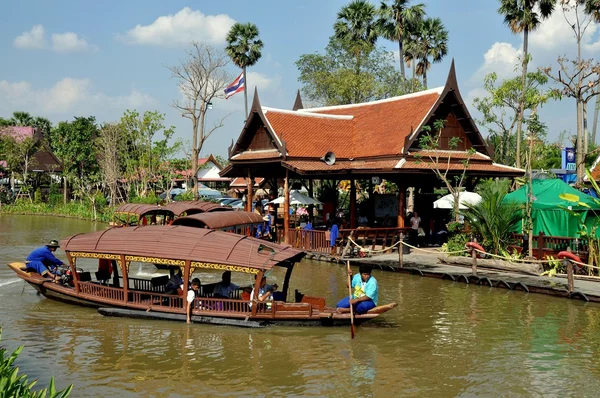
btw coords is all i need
(329, 158)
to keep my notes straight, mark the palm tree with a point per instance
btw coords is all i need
(592, 7)
(244, 47)
(432, 42)
(357, 29)
(395, 20)
(524, 16)
(20, 118)
(494, 219)
(43, 124)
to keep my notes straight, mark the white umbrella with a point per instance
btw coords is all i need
(296, 198)
(447, 202)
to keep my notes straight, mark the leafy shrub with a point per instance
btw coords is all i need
(456, 243)
(37, 195)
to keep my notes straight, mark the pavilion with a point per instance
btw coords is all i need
(373, 139)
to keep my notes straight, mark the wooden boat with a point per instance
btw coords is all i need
(189, 249)
(239, 222)
(134, 214)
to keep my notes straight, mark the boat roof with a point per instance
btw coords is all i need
(139, 209)
(175, 244)
(219, 220)
(195, 206)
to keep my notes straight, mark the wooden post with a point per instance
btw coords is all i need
(401, 205)
(250, 186)
(125, 273)
(353, 223)
(259, 277)
(73, 266)
(570, 275)
(401, 250)
(311, 207)
(286, 207)
(474, 264)
(186, 281)
(540, 246)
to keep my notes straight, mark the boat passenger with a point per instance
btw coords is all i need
(265, 293)
(43, 261)
(365, 292)
(191, 295)
(175, 283)
(224, 288)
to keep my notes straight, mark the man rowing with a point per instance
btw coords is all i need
(365, 292)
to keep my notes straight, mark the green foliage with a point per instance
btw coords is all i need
(13, 384)
(37, 195)
(332, 78)
(493, 219)
(428, 44)
(456, 243)
(187, 195)
(356, 29)
(72, 142)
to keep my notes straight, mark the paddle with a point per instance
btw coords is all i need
(350, 293)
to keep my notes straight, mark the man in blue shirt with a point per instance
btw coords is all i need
(43, 261)
(365, 292)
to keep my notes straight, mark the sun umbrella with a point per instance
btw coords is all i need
(296, 198)
(447, 202)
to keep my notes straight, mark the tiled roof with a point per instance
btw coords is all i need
(375, 128)
(317, 165)
(452, 154)
(249, 155)
(425, 164)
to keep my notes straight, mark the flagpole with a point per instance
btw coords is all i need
(245, 95)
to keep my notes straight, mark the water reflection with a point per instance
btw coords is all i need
(444, 339)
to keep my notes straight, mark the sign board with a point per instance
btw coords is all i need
(375, 180)
(568, 159)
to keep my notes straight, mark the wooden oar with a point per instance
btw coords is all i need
(350, 295)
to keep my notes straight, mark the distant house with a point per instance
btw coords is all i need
(208, 173)
(43, 159)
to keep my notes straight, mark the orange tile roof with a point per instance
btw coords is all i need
(317, 165)
(240, 182)
(249, 155)
(376, 128)
(425, 164)
(452, 154)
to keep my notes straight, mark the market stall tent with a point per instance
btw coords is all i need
(554, 216)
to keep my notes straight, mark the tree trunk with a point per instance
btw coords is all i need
(586, 137)
(65, 190)
(245, 95)
(595, 125)
(195, 154)
(456, 204)
(425, 77)
(580, 159)
(522, 99)
(401, 53)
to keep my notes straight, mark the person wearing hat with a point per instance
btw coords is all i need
(43, 261)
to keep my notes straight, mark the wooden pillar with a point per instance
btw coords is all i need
(258, 277)
(250, 185)
(73, 266)
(286, 207)
(401, 205)
(353, 223)
(125, 273)
(186, 281)
(311, 207)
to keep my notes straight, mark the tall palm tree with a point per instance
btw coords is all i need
(592, 7)
(431, 43)
(357, 29)
(395, 20)
(244, 47)
(524, 16)
(20, 118)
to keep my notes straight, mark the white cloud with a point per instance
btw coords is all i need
(35, 39)
(185, 26)
(70, 42)
(501, 58)
(67, 42)
(262, 82)
(66, 97)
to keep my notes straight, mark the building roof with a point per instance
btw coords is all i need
(194, 206)
(240, 182)
(43, 159)
(219, 220)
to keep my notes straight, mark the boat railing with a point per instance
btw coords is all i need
(206, 304)
(101, 291)
(149, 300)
(156, 284)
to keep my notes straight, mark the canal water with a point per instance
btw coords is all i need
(443, 340)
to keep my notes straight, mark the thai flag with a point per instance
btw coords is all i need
(236, 86)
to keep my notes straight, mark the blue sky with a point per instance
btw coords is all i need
(78, 58)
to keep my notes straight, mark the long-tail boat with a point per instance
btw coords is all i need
(239, 222)
(134, 214)
(191, 250)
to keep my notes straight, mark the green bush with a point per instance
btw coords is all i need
(14, 385)
(37, 196)
(456, 243)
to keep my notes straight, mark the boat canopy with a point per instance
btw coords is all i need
(141, 210)
(194, 207)
(174, 245)
(219, 220)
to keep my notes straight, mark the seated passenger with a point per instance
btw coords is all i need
(43, 261)
(224, 288)
(191, 296)
(265, 293)
(175, 284)
(365, 292)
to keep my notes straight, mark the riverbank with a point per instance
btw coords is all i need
(428, 264)
(75, 210)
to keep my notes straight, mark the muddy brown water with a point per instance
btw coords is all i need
(443, 339)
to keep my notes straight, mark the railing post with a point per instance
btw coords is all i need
(401, 250)
(474, 257)
(570, 276)
(540, 245)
